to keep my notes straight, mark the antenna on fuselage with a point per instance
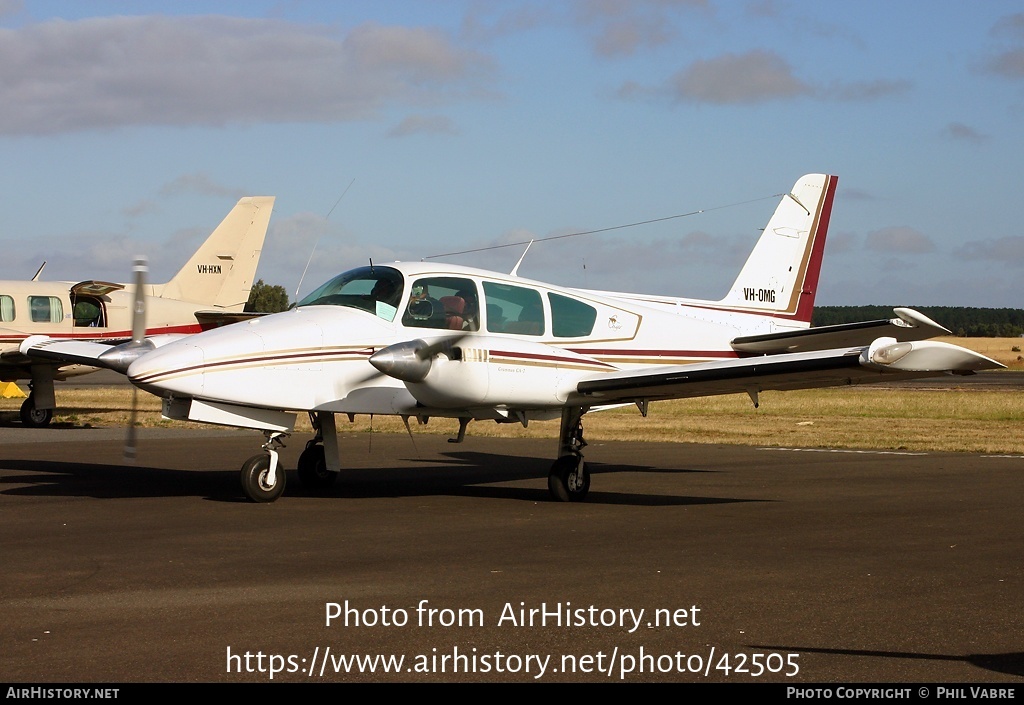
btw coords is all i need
(515, 269)
(39, 271)
(315, 244)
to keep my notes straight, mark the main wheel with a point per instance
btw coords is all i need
(313, 472)
(36, 418)
(254, 479)
(569, 480)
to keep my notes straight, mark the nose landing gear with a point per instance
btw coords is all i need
(263, 476)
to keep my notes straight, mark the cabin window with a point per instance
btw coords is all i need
(449, 303)
(570, 318)
(45, 309)
(6, 308)
(513, 309)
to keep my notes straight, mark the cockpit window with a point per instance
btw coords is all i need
(377, 290)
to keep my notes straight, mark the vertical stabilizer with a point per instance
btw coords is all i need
(781, 275)
(221, 272)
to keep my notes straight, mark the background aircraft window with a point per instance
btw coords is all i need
(45, 309)
(513, 309)
(6, 308)
(570, 318)
(442, 302)
(88, 312)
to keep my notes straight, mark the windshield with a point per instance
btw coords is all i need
(376, 290)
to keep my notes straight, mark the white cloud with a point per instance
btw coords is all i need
(1008, 250)
(900, 240)
(963, 133)
(753, 77)
(428, 124)
(153, 70)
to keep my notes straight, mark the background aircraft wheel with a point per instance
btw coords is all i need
(566, 483)
(31, 416)
(313, 472)
(254, 479)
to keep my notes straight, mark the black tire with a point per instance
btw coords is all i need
(254, 479)
(313, 472)
(36, 418)
(565, 483)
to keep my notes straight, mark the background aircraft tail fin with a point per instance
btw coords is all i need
(781, 275)
(221, 272)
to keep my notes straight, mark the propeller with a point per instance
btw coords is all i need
(140, 268)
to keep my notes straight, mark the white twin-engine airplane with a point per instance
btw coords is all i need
(419, 339)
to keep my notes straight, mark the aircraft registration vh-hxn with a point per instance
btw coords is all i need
(419, 339)
(211, 289)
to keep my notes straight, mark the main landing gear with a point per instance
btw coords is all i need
(569, 478)
(313, 472)
(31, 416)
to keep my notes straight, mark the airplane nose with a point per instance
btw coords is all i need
(177, 368)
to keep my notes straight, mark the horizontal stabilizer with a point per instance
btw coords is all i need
(216, 319)
(908, 325)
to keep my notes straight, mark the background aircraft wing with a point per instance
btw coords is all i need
(885, 359)
(81, 352)
(908, 325)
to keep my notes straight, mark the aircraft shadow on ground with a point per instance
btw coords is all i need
(1010, 663)
(466, 474)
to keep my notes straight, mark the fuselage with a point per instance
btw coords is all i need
(93, 311)
(539, 338)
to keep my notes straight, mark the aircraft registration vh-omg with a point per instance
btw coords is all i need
(421, 340)
(210, 290)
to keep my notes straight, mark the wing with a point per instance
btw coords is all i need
(885, 359)
(81, 352)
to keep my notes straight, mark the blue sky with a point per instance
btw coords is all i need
(133, 127)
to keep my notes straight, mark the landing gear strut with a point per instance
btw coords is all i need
(569, 477)
(312, 467)
(263, 476)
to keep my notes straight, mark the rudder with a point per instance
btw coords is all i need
(781, 275)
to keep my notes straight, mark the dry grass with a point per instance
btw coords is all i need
(965, 419)
(866, 417)
(999, 349)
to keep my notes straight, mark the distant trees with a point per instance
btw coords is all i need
(961, 320)
(267, 298)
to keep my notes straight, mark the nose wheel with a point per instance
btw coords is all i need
(263, 476)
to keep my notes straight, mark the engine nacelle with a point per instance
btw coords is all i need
(484, 371)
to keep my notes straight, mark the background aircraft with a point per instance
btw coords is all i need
(208, 291)
(421, 339)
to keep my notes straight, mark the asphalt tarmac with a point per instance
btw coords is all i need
(749, 564)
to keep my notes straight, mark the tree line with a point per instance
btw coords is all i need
(961, 320)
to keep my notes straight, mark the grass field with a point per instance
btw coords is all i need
(952, 419)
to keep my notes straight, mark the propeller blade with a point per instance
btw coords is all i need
(141, 268)
(129, 441)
